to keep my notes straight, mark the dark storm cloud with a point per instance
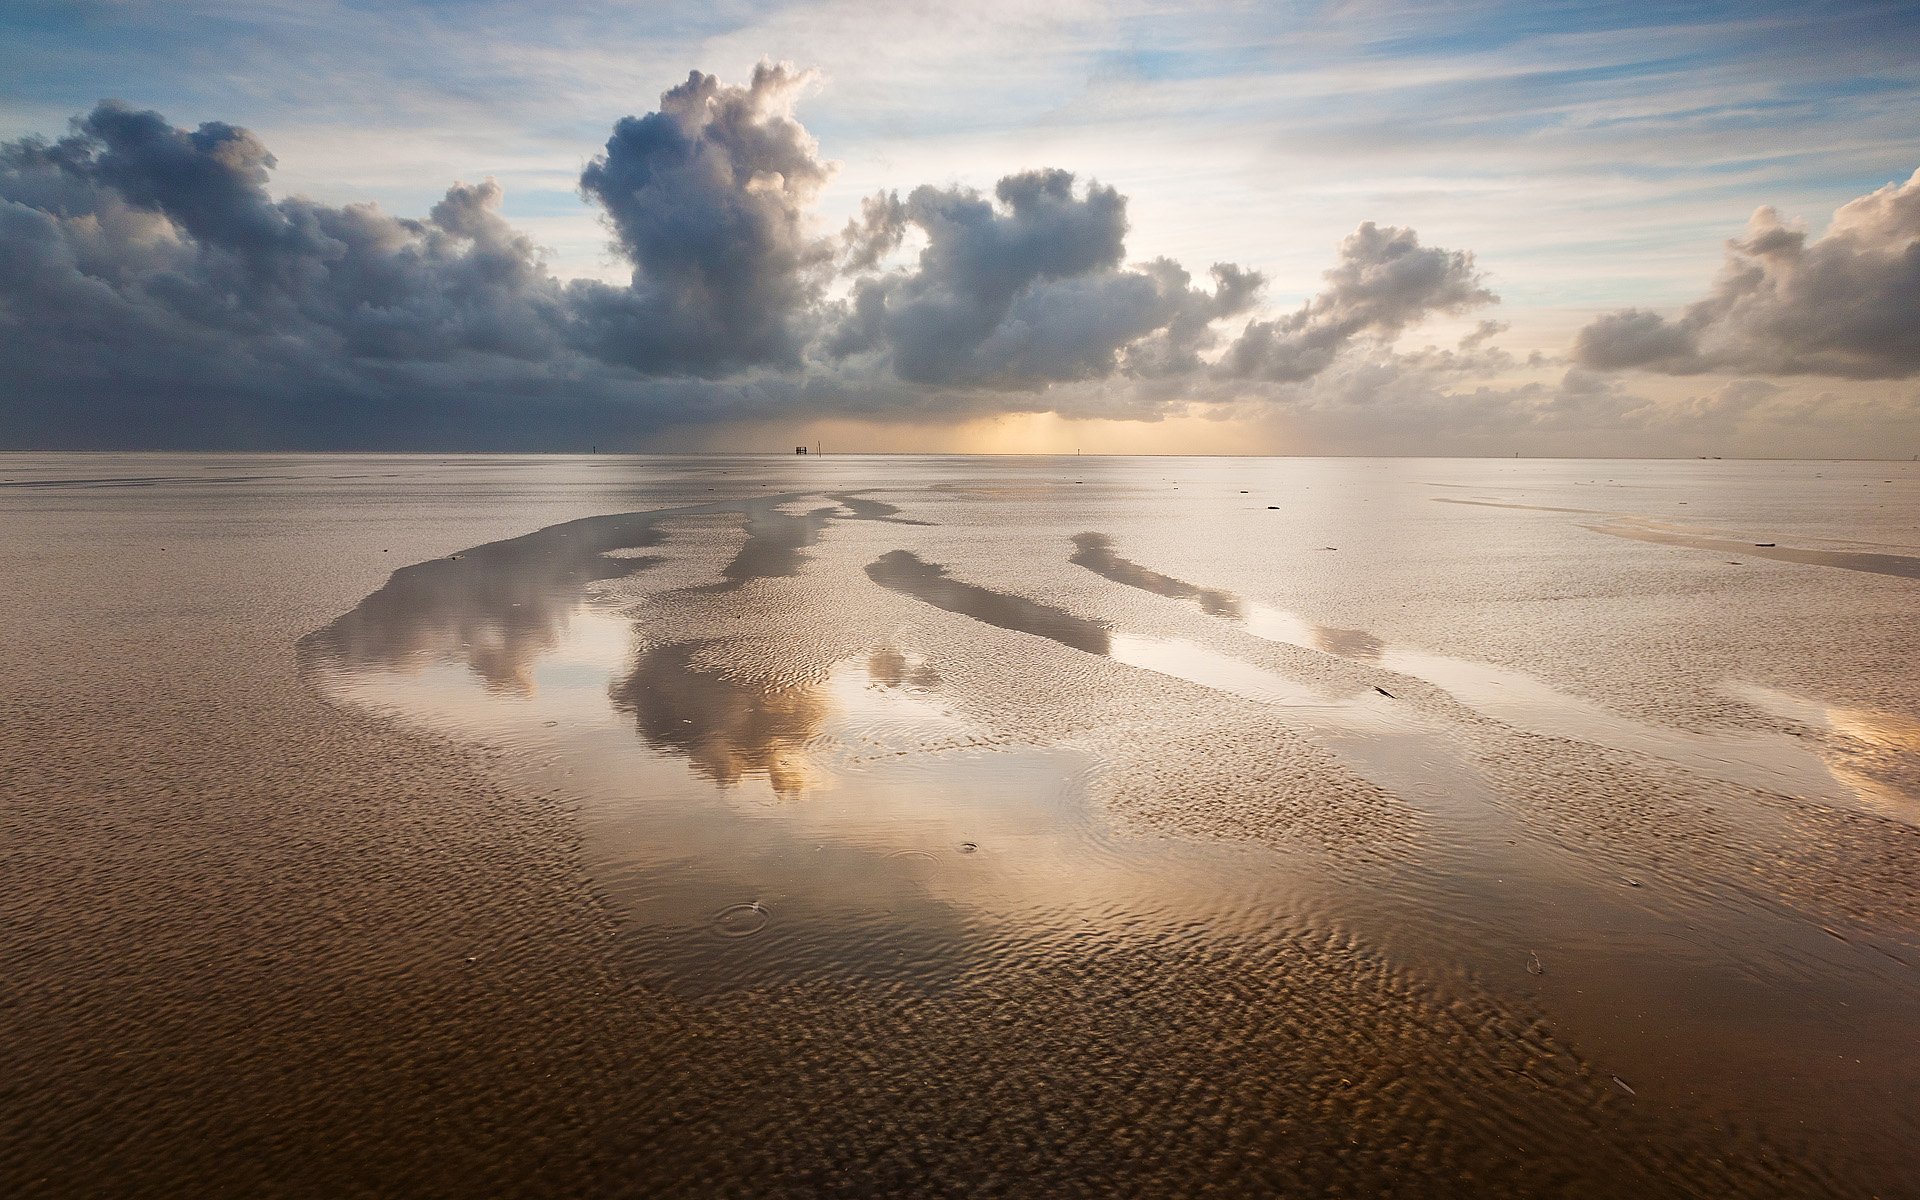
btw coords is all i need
(153, 291)
(1023, 289)
(212, 182)
(708, 198)
(179, 227)
(1842, 304)
(1385, 281)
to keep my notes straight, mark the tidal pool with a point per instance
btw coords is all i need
(789, 763)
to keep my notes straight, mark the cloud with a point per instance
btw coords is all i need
(1023, 289)
(151, 287)
(154, 291)
(1426, 401)
(1638, 337)
(708, 198)
(179, 227)
(1842, 304)
(1385, 281)
(1482, 333)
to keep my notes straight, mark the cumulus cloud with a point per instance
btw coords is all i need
(1023, 289)
(154, 291)
(151, 286)
(1385, 281)
(708, 197)
(1842, 304)
(132, 226)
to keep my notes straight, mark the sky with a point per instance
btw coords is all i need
(1343, 228)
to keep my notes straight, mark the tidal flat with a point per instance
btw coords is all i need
(892, 825)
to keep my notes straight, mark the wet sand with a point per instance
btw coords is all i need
(890, 826)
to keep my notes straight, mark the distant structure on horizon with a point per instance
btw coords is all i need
(799, 449)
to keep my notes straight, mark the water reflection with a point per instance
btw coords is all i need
(855, 825)
(754, 829)
(1769, 761)
(775, 539)
(891, 668)
(728, 729)
(1400, 749)
(1483, 877)
(496, 607)
(1870, 745)
(1347, 643)
(903, 571)
(859, 508)
(1094, 551)
(773, 543)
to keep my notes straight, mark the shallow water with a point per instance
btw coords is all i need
(871, 720)
(848, 815)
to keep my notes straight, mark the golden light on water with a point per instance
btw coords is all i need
(1013, 433)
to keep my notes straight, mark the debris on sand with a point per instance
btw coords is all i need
(1623, 1086)
(1384, 692)
(1534, 965)
(1765, 545)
